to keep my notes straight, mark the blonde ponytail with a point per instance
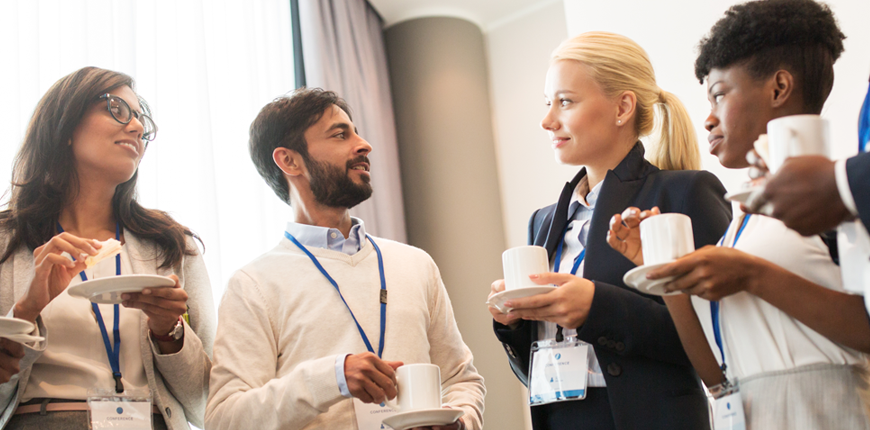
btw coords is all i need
(619, 64)
(677, 147)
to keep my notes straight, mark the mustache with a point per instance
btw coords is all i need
(360, 159)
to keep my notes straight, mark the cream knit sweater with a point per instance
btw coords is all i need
(281, 325)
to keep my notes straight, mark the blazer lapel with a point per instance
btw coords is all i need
(618, 192)
(560, 215)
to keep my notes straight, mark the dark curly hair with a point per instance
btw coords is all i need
(800, 36)
(282, 123)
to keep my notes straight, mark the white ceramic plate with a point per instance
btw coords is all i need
(109, 290)
(636, 278)
(423, 417)
(497, 300)
(14, 326)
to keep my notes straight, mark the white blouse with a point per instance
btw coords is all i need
(75, 357)
(759, 337)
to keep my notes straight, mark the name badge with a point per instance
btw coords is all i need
(369, 416)
(108, 410)
(558, 371)
(728, 409)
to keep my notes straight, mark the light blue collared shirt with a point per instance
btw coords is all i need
(312, 236)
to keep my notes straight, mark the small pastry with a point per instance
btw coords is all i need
(110, 248)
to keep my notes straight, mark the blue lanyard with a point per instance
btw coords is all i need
(714, 306)
(864, 125)
(578, 259)
(335, 284)
(114, 354)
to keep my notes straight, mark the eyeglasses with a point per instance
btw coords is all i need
(122, 113)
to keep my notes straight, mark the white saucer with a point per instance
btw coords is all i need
(423, 417)
(23, 338)
(109, 290)
(14, 326)
(745, 196)
(636, 278)
(497, 300)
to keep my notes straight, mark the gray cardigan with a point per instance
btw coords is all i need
(178, 382)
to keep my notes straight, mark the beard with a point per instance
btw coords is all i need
(333, 187)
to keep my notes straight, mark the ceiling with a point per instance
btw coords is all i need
(485, 13)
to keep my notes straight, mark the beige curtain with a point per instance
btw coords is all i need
(343, 51)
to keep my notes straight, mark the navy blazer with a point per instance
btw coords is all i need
(858, 171)
(650, 381)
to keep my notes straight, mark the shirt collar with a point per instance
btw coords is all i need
(312, 236)
(591, 197)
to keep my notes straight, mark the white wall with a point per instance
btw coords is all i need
(519, 53)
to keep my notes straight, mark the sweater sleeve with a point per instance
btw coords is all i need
(186, 373)
(462, 385)
(11, 391)
(244, 377)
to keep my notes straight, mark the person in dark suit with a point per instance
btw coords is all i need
(602, 96)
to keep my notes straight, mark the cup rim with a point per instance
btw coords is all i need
(798, 117)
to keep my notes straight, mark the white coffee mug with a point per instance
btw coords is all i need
(419, 387)
(796, 135)
(666, 237)
(522, 261)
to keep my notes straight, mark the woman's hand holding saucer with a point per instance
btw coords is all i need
(624, 233)
(162, 306)
(507, 319)
(567, 305)
(712, 273)
(53, 272)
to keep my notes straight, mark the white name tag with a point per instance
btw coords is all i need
(558, 371)
(369, 416)
(120, 413)
(729, 412)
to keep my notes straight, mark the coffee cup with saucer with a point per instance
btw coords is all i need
(664, 238)
(419, 400)
(520, 262)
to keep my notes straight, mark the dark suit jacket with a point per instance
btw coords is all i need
(650, 381)
(858, 170)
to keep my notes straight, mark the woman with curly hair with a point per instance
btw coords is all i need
(791, 341)
(74, 185)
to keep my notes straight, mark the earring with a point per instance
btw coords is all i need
(619, 121)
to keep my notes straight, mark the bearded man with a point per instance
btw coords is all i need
(308, 337)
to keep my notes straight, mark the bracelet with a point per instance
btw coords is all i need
(175, 334)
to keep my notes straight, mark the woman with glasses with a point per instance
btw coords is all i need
(74, 186)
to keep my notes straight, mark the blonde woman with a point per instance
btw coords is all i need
(601, 97)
